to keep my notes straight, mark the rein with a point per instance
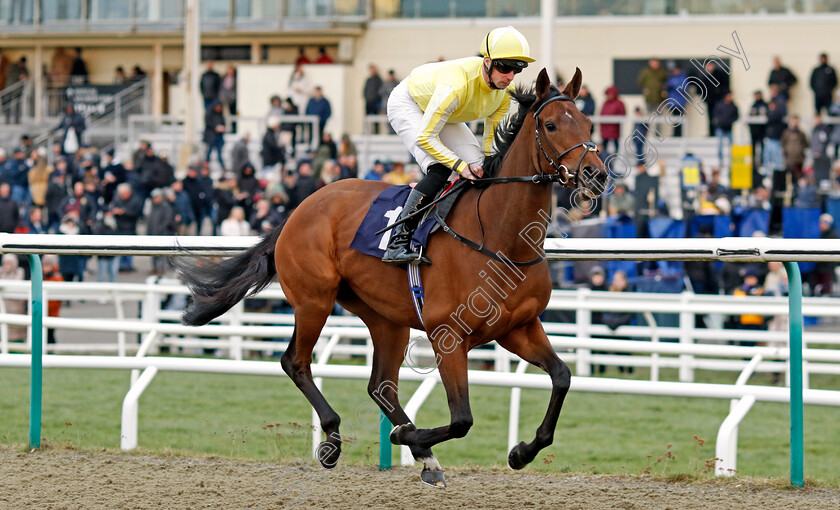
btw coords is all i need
(562, 176)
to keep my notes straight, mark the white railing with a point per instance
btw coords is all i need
(730, 249)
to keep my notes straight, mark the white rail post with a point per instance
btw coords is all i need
(726, 446)
(686, 338)
(120, 312)
(584, 319)
(513, 417)
(128, 436)
(236, 340)
(411, 409)
(654, 339)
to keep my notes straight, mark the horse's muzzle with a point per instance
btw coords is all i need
(594, 180)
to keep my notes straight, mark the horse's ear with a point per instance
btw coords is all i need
(543, 84)
(573, 87)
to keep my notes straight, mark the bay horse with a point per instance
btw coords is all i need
(545, 141)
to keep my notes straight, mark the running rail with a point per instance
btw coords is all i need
(732, 249)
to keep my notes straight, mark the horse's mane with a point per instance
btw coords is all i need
(509, 128)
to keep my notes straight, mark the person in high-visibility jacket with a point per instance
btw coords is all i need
(429, 110)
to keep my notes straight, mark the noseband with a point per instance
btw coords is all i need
(563, 175)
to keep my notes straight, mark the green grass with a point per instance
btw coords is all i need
(257, 417)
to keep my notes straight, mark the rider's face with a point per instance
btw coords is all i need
(502, 80)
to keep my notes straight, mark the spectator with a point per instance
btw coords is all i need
(249, 187)
(60, 68)
(302, 58)
(127, 208)
(303, 185)
(397, 175)
(621, 203)
(326, 150)
(347, 147)
(78, 70)
(137, 74)
(677, 100)
(646, 197)
(265, 218)
(372, 94)
(18, 177)
(107, 266)
(39, 177)
(184, 214)
(822, 277)
(11, 270)
(119, 76)
(154, 172)
(820, 137)
(199, 186)
(823, 82)
(235, 224)
(299, 87)
(615, 320)
(597, 282)
(776, 113)
(74, 127)
(4, 69)
(652, 82)
(239, 156)
(330, 172)
(377, 172)
(72, 267)
(834, 111)
(81, 207)
(758, 129)
(584, 102)
(226, 196)
(210, 84)
(320, 106)
(113, 173)
(49, 264)
(35, 223)
(273, 155)
(640, 131)
(794, 142)
(750, 287)
(56, 193)
(724, 116)
(388, 86)
(323, 58)
(227, 92)
(9, 211)
(611, 132)
(347, 166)
(16, 73)
(161, 222)
(275, 109)
(782, 77)
(288, 130)
(715, 78)
(214, 132)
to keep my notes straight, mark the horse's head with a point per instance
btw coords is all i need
(564, 147)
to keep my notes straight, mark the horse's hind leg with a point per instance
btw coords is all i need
(531, 344)
(297, 361)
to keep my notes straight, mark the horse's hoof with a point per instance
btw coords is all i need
(398, 433)
(328, 454)
(433, 478)
(516, 459)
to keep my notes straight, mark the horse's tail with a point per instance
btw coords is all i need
(218, 286)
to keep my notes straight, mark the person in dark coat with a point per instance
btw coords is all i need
(320, 106)
(272, 153)
(210, 84)
(181, 205)
(724, 116)
(716, 80)
(782, 77)
(249, 188)
(9, 213)
(214, 131)
(757, 130)
(822, 277)
(79, 71)
(71, 121)
(127, 208)
(199, 187)
(372, 93)
(776, 125)
(823, 82)
(160, 222)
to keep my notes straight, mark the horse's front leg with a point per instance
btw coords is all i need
(453, 373)
(531, 344)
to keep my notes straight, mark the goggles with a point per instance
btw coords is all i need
(507, 65)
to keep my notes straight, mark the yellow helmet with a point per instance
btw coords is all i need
(506, 43)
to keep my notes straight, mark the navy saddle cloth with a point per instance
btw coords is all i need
(384, 211)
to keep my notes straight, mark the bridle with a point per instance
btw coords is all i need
(564, 175)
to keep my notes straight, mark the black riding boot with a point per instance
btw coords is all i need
(399, 250)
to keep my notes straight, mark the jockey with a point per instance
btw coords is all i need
(429, 111)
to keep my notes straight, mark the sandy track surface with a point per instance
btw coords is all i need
(68, 479)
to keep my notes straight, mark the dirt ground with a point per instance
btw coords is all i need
(68, 479)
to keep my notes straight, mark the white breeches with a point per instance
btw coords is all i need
(406, 117)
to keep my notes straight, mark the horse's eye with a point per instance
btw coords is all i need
(549, 126)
